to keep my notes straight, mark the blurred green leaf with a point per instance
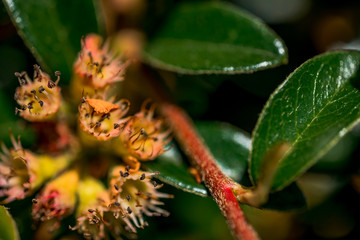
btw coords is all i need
(8, 229)
(231, 148)
(316, 106)
(214, 37)
(174, 171)
(338, 157)
(289, 198)
(9, 122)
(229, 145)
(52, 29)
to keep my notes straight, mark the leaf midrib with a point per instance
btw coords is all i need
(299, 136)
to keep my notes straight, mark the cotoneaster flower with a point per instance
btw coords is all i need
(23, 172)
(96, 66)
(17, 171)
(89, 214)
(133, 194)
(102, 118)
(39, 99)
(57, 199)
(145, 137)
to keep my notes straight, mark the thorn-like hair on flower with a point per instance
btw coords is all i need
(39, 99)
(144, 136)
(103, 118)
(134, 194)
(16, 171)
(96, 65)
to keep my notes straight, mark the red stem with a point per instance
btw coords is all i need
(219, 185)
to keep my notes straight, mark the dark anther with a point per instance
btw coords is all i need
(87, 115)
(127, 168)
(30, 106)
(41, 103)
(126, 174)
(98, 124)
(83, 100)
(121, 174)
(26, 189)
(51, 84)
(34, 201)
(96, 64)
(129, 210)
(33, 91)
(116, 187)
(41, 89)
(143, 132)
(106, 116)
(117, 204)
(116, 125)
(91, 210)
(57, 73)
(154, 183)
(128, 197)
(142, 177)
(23, 107)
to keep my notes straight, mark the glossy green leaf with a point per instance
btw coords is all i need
(316, 106)
(214, 37)
(231, 148)
(8, 229)
(52, 29)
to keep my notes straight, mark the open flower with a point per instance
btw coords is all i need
(22, 172)
(57, 199)
(96, 66)
(90, 222)
(134, 194)
(102, 118)
(95, 215)
(17, 171)
(39, 99)
(145, 137)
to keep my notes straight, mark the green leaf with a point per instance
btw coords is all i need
(174, 171)
(316, 106)
(52, 29)
(231, 148)
(214, 37)
(229, 145)
(8, 229)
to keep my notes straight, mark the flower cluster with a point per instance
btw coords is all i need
(65, 166)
